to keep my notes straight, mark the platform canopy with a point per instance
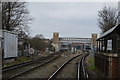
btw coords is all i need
(115, 29)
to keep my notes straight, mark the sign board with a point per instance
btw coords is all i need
(109, 44)
(31, 50)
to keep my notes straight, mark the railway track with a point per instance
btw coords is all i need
(25, 63)
(14, 71)
(80, 69)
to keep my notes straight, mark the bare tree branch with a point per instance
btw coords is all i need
(107, 18)
(15, 16)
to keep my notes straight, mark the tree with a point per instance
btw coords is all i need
(39, 42)
(15, 16)
(107, 18)
(39, 36)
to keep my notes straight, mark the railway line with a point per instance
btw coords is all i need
(81, 70)
(16, 70)
(45, 71)
(26, 63)
(70, 69)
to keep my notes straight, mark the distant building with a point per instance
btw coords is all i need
(68, 43)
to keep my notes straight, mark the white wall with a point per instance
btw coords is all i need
(57, 47)
(10, 45)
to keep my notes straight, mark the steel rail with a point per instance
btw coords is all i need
(52, 77)
(25, 63)
(19, 65)
(84, 68)
(23, 72)
(81, 68)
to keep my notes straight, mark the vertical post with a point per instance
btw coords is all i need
(99, 45)
(0, 40)
(118, 22)
(118, 52)
(105, 50)
(102, 45)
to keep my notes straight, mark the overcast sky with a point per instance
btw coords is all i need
(68, 18)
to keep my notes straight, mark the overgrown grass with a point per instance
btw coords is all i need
(92, 67)
(19, 60)
(24, 59)
(91, 62)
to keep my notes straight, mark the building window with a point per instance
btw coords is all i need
(109, 45)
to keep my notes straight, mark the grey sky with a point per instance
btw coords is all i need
(69, 19)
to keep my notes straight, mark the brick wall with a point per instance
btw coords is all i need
(107, 65)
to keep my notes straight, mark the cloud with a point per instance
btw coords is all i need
(66, 18)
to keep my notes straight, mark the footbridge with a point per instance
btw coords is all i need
(71, 43)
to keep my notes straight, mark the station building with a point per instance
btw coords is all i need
(73, 44)
(107, 57)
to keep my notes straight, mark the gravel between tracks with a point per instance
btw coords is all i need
(7, 74)
(70, 70)
(47, 70)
